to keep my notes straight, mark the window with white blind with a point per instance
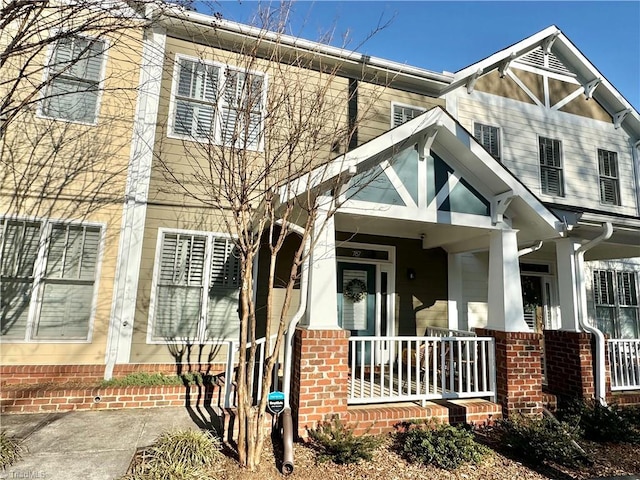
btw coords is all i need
(48, 276)
(74, 75)
(551, 178)
(217, 103)
(403, 113)
(609, 185)
(489, 138)
(197, 288)
(616, 301)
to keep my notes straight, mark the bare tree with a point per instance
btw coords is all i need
(244, 155)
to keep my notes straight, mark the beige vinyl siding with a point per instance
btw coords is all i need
(374, 107)
(580, 137)
(85, 179)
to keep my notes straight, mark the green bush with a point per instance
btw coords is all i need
(538, 440)
(444, 446)
(10, 450)
(179, 455)
(604, 423)
(144, 379)
(337, 442)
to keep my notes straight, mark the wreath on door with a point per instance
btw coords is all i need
(355, 290)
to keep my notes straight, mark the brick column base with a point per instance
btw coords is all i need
(569, 364)
(320, 377)
(518, 371)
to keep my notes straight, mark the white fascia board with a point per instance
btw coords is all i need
(492, 61)
(175, 16)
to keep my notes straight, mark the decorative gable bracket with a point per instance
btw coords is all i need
(548, 43)
(502, 69)
(618, 118)
(424, 145)
(471, 83)
(590, 87)
(499, 205)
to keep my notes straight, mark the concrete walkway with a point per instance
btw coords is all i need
(96, 445)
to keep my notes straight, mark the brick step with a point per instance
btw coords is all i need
(383, 418)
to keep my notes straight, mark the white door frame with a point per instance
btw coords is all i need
(387, 266)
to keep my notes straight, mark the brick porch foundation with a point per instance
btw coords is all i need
(320, 377)
(518, 371)
(569, 364)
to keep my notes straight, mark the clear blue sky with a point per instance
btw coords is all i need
(448, 36)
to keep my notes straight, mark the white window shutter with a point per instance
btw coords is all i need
(224, 291)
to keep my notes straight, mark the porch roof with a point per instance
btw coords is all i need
(408, 181)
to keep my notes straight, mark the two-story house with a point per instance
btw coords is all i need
(501, 199)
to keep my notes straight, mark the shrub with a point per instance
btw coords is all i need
(10, 450)
(337, 442)
(178, 455)
(538, 440)
(444, 446)
(604, 423)
(144, 379)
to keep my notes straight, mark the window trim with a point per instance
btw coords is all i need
(601, 176)
(39, 270)
(395, 104)
(563, 189)
(499, 158)
(45, 80)
(151, 340)
(216, 139)
(617, 306)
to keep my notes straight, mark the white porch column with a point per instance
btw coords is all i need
(454, 262)
(568, 284)
(505, 312)
(322, 304)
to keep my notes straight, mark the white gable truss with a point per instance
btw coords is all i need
(551, 54)
(430, 179)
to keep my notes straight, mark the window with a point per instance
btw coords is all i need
(218, 103)
(48, 279)
(609, 187)
(73, 86)
(616, 300)
(197, 288)
(404, 113)
(551, 180)
(489, 138)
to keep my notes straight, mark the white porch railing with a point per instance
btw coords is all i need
(398, 369)
(447, 332)
(230, 394)
(624, 362)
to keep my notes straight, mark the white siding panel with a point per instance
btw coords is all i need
(580, 136)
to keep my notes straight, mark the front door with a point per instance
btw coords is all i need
(357, 300)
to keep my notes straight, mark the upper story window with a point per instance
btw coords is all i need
(404, 113)
(489, 138)
(616, 300)
(551, 181)
(73, 84)
(609, 184)
(196, 288)
(48, 276)
(217, 103)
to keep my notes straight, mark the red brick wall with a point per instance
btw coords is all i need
(518, 371)
(30, 400)
(320, 377)
(569, 363)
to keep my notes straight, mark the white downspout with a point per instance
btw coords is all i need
(288, 345)
(528, 250)
(599, 371)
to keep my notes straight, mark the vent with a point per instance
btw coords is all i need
(536, 58)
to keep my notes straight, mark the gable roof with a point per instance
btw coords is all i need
(473, 167)
(553, 40)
